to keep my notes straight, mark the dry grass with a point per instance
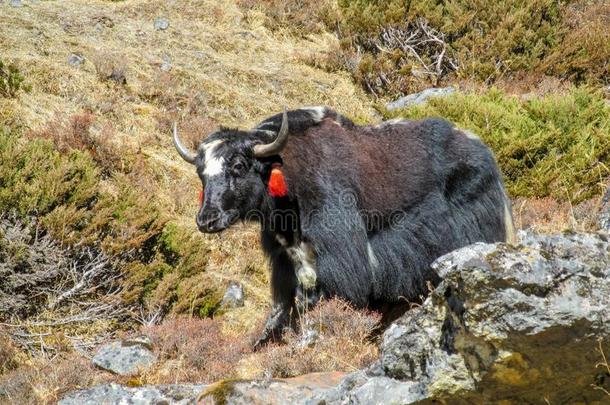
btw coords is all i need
(45, 381)
(333, 337)
(547, 215)
(192, 350)
(226, 68)
(80, 132)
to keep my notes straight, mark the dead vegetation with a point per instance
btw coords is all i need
(81, 132)
(53, 299)
(332, 336)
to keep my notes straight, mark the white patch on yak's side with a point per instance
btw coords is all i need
(317, 112)
(372, 258)
(213, 164)
(281, 240)
(304, 260)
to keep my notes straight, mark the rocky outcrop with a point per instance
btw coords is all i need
(508, 324)
(516, 324)
(118, 394)
(419, 98)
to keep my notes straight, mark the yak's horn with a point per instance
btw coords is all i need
(278, 144)
(182, 150)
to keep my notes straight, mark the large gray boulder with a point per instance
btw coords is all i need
(517, 324)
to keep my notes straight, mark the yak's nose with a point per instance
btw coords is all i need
(215, 220)
(206, 219)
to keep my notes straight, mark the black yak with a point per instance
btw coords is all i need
(358, 212)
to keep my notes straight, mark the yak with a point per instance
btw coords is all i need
(358, 212)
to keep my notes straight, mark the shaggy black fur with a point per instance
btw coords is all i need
(377, 204)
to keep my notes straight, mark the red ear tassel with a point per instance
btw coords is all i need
(200, 198)
(277, 183)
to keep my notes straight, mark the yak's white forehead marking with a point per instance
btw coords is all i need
(213, 163)
(317, 112)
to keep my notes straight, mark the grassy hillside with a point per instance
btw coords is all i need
(89, 179)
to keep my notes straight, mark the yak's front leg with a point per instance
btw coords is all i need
(283, 289)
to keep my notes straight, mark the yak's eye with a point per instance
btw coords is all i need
(238, 168)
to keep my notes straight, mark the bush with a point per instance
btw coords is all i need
(193, 350)
(161, 263)
(583, 54)
(395, 47)
(333, 336)
(46, 381)
(11, 80)
(75, 133)
(557, 145)
(8, 354)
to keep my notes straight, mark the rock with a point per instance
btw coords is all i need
(141, 340)
(75, 60)
(298, 390)
(419, 98)
(161, 23)
(125, 358)
(16, 3)
(234, 296)
(604, 213)
(166, 66)
(200, 54)
(118, 394)
(513, 324)
(280, 391)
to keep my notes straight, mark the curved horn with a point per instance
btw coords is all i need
(278, 144)
(182, 150)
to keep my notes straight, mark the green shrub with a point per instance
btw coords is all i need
(395, 47)
(11, 80)
(557, 145)
(484, 40)
(162, 263)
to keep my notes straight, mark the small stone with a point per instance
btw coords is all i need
(234, 296)
(161, 23)
(124, 359)
(419, 98)
(141, 340)
(16, 3)
(75, 59)
(166, 66)
(199, 54)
